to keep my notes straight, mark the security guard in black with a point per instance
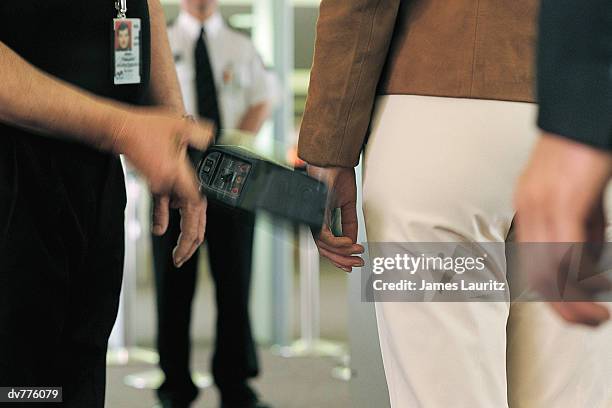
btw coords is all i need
(61, 208)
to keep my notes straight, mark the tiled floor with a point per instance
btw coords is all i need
(284, 383)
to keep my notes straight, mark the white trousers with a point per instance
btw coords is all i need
(444, 170)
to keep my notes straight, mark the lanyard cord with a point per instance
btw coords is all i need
(121, 7)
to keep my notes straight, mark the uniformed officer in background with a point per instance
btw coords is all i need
(68, 97)
(222, 79)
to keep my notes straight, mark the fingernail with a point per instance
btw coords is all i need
(178, 263)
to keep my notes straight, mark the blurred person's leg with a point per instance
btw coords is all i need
(175, 291)
(230, 243)
(61, 263)
(443, 170)
(557, 364)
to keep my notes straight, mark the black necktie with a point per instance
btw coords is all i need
(208, 106)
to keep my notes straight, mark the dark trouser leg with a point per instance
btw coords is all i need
(175, 290)
(34, 289)
(92, 311)
(230, 240)
(60, 278)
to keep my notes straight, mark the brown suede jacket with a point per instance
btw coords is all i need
(450, 48)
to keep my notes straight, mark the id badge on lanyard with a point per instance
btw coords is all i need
(126, 47)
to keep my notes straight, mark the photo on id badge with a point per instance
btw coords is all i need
(126, 51)
(123, 35)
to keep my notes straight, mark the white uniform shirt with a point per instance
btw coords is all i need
(240, 77)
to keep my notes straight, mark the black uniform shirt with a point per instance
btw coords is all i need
(72, 40)
(64, 184)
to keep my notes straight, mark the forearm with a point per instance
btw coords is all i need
(164, 89)
(30, 98)
(254, 118)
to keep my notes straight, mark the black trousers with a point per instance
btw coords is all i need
(61, 263)
(229, 236)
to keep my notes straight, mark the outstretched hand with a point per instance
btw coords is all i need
(155, 143)
(559, 200)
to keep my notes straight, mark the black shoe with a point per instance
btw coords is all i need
(240, 395)
(176, 394)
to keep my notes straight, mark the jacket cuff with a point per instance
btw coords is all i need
(581, 109)
(323, 151)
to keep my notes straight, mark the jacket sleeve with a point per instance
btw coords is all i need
(351, 47)
(574, 70)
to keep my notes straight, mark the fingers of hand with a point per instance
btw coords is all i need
(344, 268)
(575, 293)
(587, 313)
(342, 245)
(339, 250)
(347, 251)
(161, 214)
(348, 218)
(344, 262)
(202, 225)
(589, 277)
(189, 239)
(186, 188)
(190, 203)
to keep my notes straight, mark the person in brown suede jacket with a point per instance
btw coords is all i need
(443, 92)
